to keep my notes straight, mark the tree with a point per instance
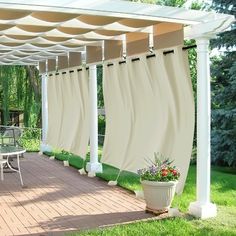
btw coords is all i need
(224, 91)
(20, 88)
(172, 3)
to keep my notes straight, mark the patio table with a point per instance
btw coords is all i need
(7, 151)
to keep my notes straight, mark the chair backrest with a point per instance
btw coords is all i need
(2, 130)
(12, 133)
(17, 132)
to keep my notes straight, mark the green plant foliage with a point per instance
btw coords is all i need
(31, 145)
(20, 89)
(173, 3)
(30, 133)
(100, 87)
(4, 93)
(160, 169)
(101, 124)
(31, 139)
(192, 58)
(224, 92)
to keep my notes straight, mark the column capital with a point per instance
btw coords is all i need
(206, 37)
(202, 40)
(202, 44)
(92, 67)
(44, 75)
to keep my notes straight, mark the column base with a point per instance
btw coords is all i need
(94, 167)
(202, 211)
(45, 148)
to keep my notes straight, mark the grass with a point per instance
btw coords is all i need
(126, 179)
(222, 189)
(223, 193)
(220, 226)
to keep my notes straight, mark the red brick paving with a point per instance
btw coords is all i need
(57, 199)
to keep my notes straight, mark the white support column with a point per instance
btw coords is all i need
(203, 208)
(44, 146)
(93, 166)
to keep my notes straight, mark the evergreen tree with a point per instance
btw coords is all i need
(224, 91)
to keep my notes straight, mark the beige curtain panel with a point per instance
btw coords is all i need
(54, 109)
(149, 108)
(68, 109)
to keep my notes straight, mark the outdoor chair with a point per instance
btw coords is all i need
(3, 163)
(10, 136)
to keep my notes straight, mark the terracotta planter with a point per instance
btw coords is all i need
(158, 195)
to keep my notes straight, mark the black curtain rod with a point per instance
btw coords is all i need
(137, 58)
(71, 71)
(78, 70)
(149, 56)
(153, 55)
(183, 48)
(189, 47)
(122, 62)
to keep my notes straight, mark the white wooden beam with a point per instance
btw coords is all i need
(209, 28)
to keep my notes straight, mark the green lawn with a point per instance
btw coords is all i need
(223, 193)
(223, 188)
(223, 224)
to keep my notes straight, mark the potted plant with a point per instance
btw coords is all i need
(159, 182)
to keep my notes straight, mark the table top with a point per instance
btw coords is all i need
(11, 150)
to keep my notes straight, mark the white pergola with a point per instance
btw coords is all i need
(33, 32)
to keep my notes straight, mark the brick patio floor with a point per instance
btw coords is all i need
(57, 199)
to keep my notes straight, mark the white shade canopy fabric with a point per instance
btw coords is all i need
(33, 31)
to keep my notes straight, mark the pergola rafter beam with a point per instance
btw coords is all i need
(122, 9)
(69, 24)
